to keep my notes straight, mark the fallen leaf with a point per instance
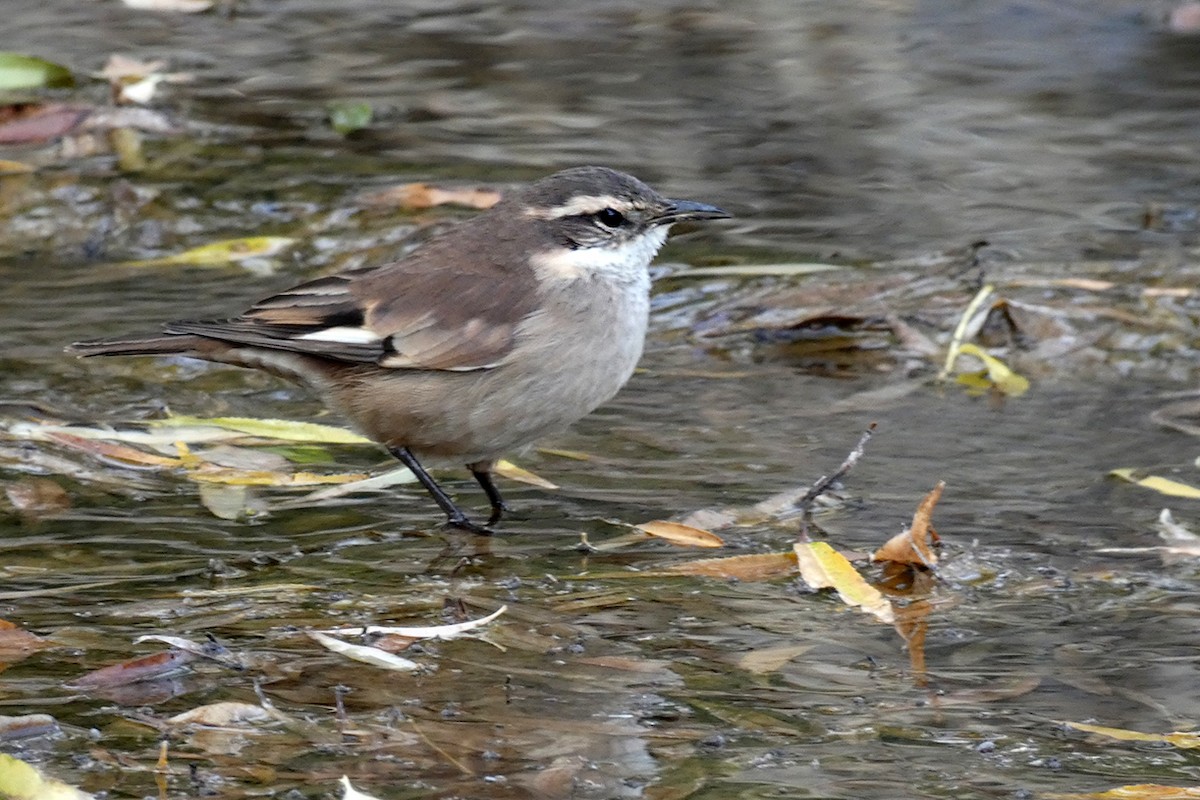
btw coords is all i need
(1185, 740)
(350, 793)
(367, 655)
(22, 781)
(37, 498)
(26, 726)
(284, 429)
(1157, 483)
(180, 6)
(680, 534)
(1139, 791)
(224, 714)
(135, 670)
(16, 642)
(35, 123)
(19, 71)
(771, 659)
(514, 473)
(416, 196)
(996, 373)
(230, 251)
(913, 545)
(754, 567)
(445, 632)
(347, 117)
(823, 567)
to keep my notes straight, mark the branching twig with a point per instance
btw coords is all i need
(804, 504)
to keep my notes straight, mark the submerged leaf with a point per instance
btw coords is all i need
(1139, 791)
(367, 655)
(224, 714)
(285, 429)
(18, 71)
(678, 533)
(22, 781)
(348, 117)
(1158, 483)
(445, 632)
(1185, 740)
(230, 251)
(754, 567)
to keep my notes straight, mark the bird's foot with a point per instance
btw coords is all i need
(463, 523)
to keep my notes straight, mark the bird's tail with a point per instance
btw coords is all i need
(155, 345)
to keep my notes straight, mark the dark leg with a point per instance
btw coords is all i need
(482, 470)
(455, 517)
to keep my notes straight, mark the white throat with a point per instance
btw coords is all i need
(625, 262)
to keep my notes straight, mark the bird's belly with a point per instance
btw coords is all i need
(566, 363)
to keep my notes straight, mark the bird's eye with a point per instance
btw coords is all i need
(610, 218)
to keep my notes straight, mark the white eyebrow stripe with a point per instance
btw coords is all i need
(344, 335)
(583, 204)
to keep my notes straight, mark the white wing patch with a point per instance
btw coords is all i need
(344, 335)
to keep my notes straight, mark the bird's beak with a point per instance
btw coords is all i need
(684, 210)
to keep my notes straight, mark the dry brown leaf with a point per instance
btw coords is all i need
(1185, 740)
(680, 534)
(224, 714)
(755, 567)
(915, 545)
(770, 659)
(37, 498)
(416, 196)
(16, 642)
(135, 670)
(1139, 791)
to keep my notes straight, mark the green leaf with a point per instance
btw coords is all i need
(226, 252)
(30, 72)
(348, 117)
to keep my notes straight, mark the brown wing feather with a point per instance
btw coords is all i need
(427, 311)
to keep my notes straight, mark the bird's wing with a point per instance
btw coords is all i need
(419, 313)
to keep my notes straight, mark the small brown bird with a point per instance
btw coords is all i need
(510, 325)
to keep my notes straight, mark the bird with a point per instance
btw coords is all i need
(508, 326)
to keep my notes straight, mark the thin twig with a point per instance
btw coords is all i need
(804, 504)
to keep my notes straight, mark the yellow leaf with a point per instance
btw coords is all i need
(1159, 484)
(515, 473)
(15, 167)
(823, 567)
(1139, 791)
(678, 533)
(229, 251)
(998, 373)
(21, 781)
(288, 430)
(1185, 740)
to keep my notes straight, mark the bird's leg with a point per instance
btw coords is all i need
(482, 470)
(455, 516)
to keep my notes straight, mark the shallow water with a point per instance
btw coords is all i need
(845, 132)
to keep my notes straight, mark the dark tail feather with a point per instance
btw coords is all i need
(160, 345)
